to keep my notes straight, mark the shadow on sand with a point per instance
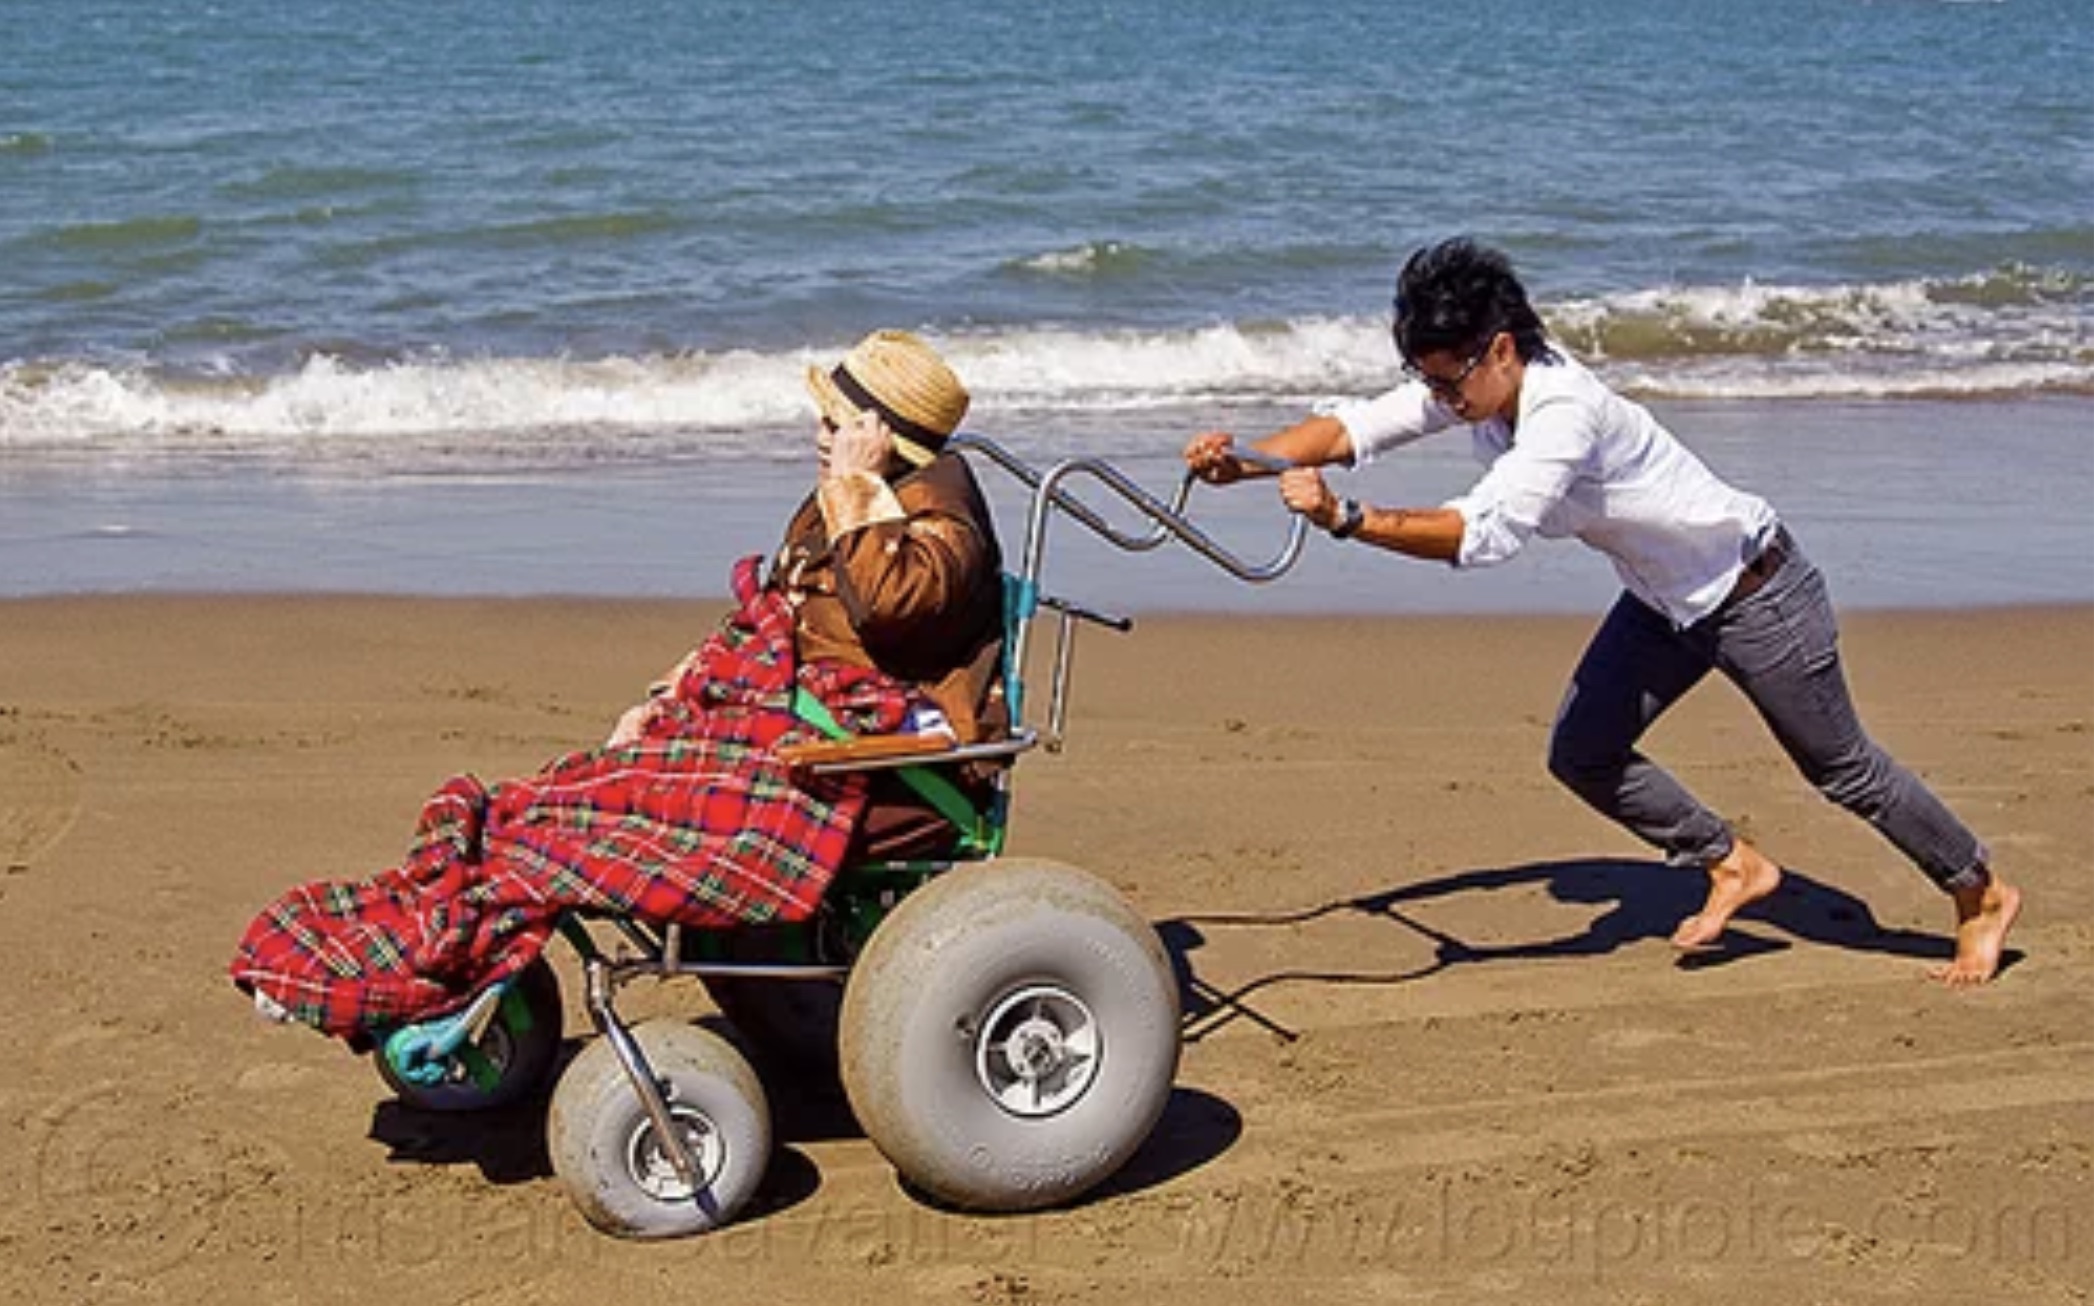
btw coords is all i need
(508, 1144)
(1643, 900)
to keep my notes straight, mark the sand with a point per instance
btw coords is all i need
(1436, 1047)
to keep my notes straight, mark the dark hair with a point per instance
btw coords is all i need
(1454, 296)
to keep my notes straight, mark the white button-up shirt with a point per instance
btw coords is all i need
(1582, 460)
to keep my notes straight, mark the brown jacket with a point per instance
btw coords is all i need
(905, 576)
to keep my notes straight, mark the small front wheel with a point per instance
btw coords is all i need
(512, 1059)
(608, 1154)
(1010, 1034)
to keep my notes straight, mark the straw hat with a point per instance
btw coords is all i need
(902, 379)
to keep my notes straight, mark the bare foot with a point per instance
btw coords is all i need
(1984, 914)
(1742, 878)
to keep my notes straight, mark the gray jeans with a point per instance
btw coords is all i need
(1780, 645)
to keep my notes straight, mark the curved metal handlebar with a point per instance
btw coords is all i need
(1167, 520)
(1076, 508)
(1170, 522)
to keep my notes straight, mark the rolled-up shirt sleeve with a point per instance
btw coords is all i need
(1390, 420)
(1555, 445)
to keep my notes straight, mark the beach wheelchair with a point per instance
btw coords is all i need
(1006, 1029)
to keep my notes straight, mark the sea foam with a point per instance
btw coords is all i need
(1916, 339)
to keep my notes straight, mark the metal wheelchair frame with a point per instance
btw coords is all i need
(661, 950)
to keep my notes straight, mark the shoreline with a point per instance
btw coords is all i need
(708, 607)
(1905, 505)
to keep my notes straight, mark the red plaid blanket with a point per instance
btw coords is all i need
(698, 823)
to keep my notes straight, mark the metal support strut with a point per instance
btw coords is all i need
(1167, 521)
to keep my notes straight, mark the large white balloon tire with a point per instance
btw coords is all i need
(973, 958)
(524, 1055)
(606, 1151)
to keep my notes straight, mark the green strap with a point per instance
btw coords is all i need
(941, 793)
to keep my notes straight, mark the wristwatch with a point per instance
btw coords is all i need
(1351, 516)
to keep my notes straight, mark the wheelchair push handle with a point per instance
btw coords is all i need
(1166, 520)
(1243, 453)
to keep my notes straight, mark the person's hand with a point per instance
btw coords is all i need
(862, 444)
(1212, 457)
(1303, 491)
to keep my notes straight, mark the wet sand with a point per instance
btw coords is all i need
(1905, 505)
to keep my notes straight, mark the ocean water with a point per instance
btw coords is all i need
(546, 259)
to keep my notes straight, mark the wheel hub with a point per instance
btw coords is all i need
(652, 1170)
(1035, 1050)
(1038, 1051)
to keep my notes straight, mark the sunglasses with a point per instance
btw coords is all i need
(1449, 387)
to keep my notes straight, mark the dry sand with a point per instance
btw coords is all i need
(1436, 1046)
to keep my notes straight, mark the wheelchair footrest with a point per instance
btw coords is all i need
(421, 1053)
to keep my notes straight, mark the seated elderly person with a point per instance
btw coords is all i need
(881, 613)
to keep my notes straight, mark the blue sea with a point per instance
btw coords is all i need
(516, 297)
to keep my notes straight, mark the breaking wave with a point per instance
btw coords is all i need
(2017, 331)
